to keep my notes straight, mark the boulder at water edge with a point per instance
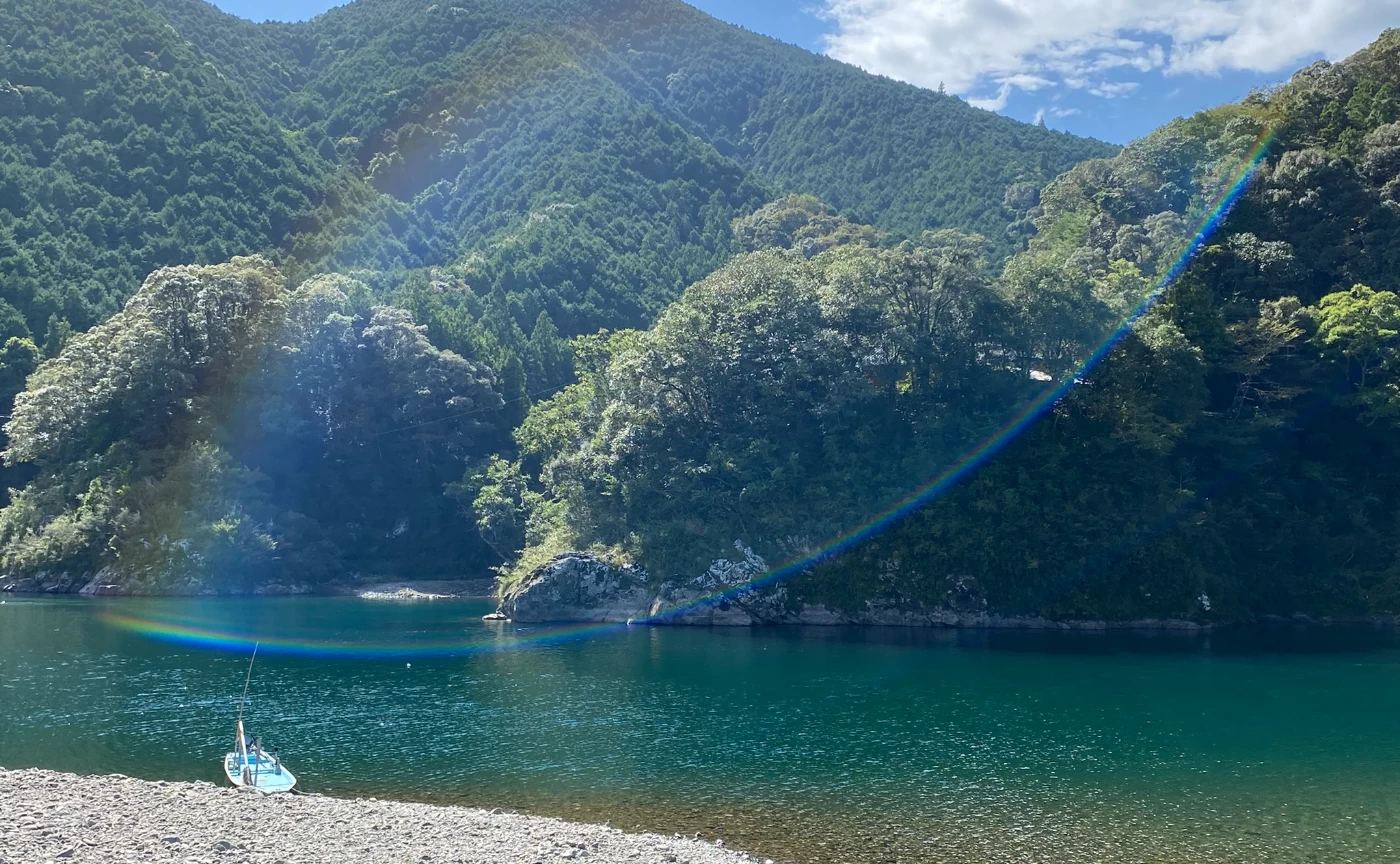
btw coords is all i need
(580, 587)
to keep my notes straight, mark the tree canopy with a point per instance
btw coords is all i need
(608, 273)
(587, 156)
(1230, 456)
(122, 151)
(224, 430)
(550, 154)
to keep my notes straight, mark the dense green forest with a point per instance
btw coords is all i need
(552, 152)
(1232, 456)
(550, 155)
(402, 78)
(584, 158)
(122, 151)
(613, 275)
(225, 430)
(511, 175)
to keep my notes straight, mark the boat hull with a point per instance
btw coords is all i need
(259, 773)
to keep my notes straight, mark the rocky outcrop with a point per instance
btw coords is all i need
(105, 584)
(415, 589)
(43, 582)
(404, 593)
(580, 587)
(577, 587)
(730, 593)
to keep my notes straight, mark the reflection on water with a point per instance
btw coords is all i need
(805, 743)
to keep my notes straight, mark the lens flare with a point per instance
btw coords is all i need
(1233, 188)
(219, 635)
(212, 635)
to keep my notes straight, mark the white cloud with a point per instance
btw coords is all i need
(993, 103)
(1029, 83)
(1112, 89)
(979, 46)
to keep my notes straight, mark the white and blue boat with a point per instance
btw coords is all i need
(249, 766)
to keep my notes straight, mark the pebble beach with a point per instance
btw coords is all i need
(46, 816)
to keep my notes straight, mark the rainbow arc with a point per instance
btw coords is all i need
(210, 635)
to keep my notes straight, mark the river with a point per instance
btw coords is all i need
(808, 744)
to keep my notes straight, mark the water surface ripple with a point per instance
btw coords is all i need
(820, 745)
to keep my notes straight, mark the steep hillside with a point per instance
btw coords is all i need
(1234, 455)
(226, 430)
(806, 122)
(495, 177)
(583, 159)
(490, 118)
(121, 151)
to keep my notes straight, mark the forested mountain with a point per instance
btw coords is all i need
(1233, 455)
(122, 151)
(586, 156)
(511, 174)
(514, 198)
(893, 154)
(575, 161)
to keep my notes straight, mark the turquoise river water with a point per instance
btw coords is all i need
(807, 744)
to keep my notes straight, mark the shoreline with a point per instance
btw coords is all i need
(425, 590)
(580, 587)
(55, 816)
(368, 589)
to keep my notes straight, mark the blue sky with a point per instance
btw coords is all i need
(1112, 69)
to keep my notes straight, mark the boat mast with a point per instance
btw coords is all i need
(246, 682)
(241, 747)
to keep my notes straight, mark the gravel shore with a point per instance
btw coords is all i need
(46, 816)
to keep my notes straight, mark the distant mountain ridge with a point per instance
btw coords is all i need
(473, 87)
(581, 158)
(774, 108)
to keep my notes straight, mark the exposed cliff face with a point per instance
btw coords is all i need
(580, 587)
(43, 583)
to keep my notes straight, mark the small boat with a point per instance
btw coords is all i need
(249, 766)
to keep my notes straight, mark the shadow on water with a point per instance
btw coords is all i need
(1221, 641)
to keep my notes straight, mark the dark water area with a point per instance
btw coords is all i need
(810, 744)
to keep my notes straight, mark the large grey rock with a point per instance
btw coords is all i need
(105, 583)
(580, 587)
(730, 593)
